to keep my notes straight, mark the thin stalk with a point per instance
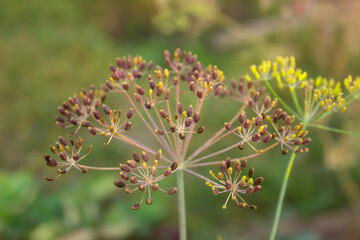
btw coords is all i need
(188, 139)
(144, 121)
(212, 140)
(288, 108)
(110, 168)
(281, 197)
(242, 158)
(181, 204)
(296, 102)
(333, 129)
(214, 154)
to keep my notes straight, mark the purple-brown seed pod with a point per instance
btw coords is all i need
(250, 190)
(127, 126)
(179, 108)
(258, 181)
(131, 163)
(243, 164)
(119, 183)
(200, 130)
(145, 156)
(136, 157)
(196, 117)
(174, 165)
(167, 172)
(136, 206)
(172, 191)
(106, 109)
(124, 167)
(130, 113)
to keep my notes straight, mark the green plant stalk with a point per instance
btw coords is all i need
(282, 196)
(181, 204)
(296, 102)
(333, 129)
(280, 100)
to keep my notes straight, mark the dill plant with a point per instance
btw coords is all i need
(157, 97)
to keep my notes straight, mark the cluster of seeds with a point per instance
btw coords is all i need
(290, 137)
(244, 90)
(205, 83)
(182, 121)
(157, 89)
(79, 108)
(69, 156)
(115, 126)
(140, 174)
(235, 184)
(128, 70)
(181, 60)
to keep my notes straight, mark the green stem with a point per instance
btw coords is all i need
(280, 100)
(281, 197)
(333, 129)
(296, 102)
(181, 204)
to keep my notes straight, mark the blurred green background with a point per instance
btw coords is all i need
(51, 49)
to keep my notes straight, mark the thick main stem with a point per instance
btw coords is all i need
(281, 197)
(181, 204)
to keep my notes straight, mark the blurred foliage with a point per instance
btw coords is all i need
(51, 49)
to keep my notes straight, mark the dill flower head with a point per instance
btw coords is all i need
(79, 108)
(289, 136)
(230, 181)
(127, 71)
(68, 154)
(142, 174)
(329, 94)
(244, 90)
(352, 85)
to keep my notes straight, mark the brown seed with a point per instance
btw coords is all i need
(124, 167)
(119, 183)
(149, 201)
(124, 176)
(241, 184)
(106, 109)
(284, 151)
(253, 207)
(228, 162)
(189, 110)
(223, 166)
(172, 191)
(258, 181)
(145, 156)
(250, 190)
(133, 179)
(136, 206)
(158, 155)
(182, 136)
(167, 172)
(200, 130)
(174, 165)
(179, 108)
(243, 164)
(155, 187)
(242, 205)
(257, 188)
(132, 163)
(251, 172)
(136, 157)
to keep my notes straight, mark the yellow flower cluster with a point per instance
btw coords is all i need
(352, 85)
(283, 70)
(329, 94)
